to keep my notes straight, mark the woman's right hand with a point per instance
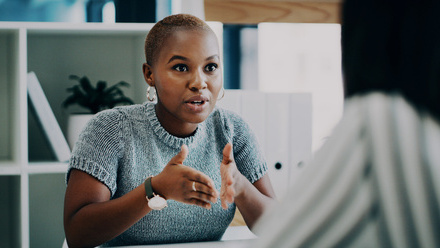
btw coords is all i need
(177, 182)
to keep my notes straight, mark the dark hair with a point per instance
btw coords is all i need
(164, 28)
(393, 46)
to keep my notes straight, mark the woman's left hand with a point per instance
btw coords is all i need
(231, 178)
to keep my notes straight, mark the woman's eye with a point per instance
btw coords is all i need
(211, 67)
(180, 67)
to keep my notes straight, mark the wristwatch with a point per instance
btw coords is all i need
(155, 201)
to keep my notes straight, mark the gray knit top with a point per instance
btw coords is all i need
(121, 147)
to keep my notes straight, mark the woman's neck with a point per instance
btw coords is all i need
(173, 125)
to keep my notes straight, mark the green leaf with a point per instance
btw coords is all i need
(116, 87)
(74, 77)
(100, 86)
(86, 85)
(96, 98)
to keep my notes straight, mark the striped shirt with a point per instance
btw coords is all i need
(374, 183)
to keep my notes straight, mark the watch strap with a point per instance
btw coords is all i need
(148, 188)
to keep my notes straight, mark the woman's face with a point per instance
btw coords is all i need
(188, 78)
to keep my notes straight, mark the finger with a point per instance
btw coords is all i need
(181, 156)
(202, 197)
(225, 168)
(223, 198)
(227, 196)
(224, 201)
(230, 192)
(203, 179)
(227, 184)
(201, 191)
(227, 154)
(199, 203)
(227, 191)
(226, 174)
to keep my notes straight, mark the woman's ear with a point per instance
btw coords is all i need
(148, 74)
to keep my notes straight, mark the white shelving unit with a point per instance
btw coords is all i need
(32, 183)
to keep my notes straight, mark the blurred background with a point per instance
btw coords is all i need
(266, 56)
(285, 46)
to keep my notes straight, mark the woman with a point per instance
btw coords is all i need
(176, 153)
(375, 183)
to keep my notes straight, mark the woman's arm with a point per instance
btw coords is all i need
(251, 199)
(91, 218)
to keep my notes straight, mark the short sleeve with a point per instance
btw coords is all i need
(98, 148)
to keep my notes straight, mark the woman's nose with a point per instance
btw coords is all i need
(198, 81)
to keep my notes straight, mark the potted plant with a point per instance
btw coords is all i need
(94, 99)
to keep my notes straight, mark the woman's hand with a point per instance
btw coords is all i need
(251, 199)
(231, 178)
(185, 184)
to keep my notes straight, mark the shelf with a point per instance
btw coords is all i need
(79, 28)
(96, 51)
(47, 167)
(9, 168)
(30, 190)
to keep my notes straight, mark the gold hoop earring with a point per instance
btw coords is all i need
(151, 96)
(223, 94)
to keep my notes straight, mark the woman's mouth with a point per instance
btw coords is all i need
(197, 103)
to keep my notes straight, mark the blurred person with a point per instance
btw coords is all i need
(376, 181)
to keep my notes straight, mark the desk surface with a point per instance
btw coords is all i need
(244, 243)
(234, 237)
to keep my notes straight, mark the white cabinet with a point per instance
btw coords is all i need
(31, 181)
(282, 123)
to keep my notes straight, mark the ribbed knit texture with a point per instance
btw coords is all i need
(121, 147)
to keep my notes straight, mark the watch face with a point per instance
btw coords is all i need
(157, 203)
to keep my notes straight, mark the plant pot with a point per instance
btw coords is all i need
(75, 125)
